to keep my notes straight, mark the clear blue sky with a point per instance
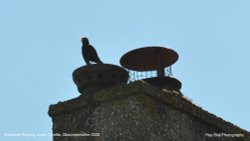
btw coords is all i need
(40, 49)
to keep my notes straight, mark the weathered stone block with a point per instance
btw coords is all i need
(138, 112)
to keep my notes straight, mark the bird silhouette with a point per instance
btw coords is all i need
(89, 53)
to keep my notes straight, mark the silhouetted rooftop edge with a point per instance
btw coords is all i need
(172, 98)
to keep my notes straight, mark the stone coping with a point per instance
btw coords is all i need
(172, 98)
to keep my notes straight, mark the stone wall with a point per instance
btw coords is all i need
(138, 112)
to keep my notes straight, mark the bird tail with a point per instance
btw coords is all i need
(99, 61)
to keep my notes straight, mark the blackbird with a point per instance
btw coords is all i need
(89, 53)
